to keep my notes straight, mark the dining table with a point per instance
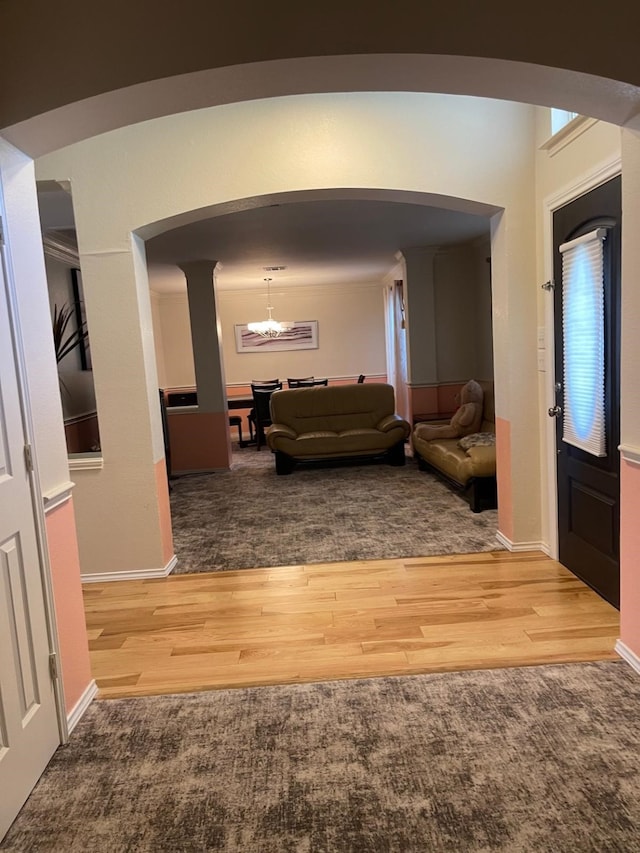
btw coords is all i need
(239, 401)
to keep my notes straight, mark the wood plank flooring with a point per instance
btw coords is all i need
(342, 620)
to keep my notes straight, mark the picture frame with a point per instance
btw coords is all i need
(302, 334)
(81, 318)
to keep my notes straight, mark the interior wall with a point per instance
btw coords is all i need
(172, 335)
(484, 309)
(351, 333)
(158, 339)
(463, 317)
(150, 176)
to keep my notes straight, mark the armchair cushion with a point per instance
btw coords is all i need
(477, 439)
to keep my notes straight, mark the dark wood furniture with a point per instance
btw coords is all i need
(296, 383)
(260, 415)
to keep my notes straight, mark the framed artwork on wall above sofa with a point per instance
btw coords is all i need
(302, 334)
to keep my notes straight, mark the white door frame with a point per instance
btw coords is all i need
(34, 480)
(594, 178)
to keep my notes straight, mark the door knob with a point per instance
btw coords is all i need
(555, 412)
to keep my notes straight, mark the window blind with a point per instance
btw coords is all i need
(583, 342)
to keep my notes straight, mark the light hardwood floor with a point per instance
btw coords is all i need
(342, 620)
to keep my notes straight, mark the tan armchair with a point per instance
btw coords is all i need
(471, 469)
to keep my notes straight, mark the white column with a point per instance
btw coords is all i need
(123, 517)
(200, 437)
(206, 334)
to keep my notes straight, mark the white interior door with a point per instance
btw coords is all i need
(28, 721)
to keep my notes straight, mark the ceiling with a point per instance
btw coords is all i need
(319, 242)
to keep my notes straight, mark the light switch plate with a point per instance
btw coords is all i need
(542, 366)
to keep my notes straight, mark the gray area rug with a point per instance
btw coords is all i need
(540, 759)
(250, 517)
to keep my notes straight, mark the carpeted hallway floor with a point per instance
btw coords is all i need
(531, 760)
(250, 517)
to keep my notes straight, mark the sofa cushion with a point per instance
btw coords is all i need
(477, 439)
(335, 421)
(344, 406)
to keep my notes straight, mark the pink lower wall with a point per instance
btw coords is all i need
(162, 490)
(199, 440)
(67, 595)
(423, 401)
(449, 397)
(435, 401)
(630, 556)
(190, 439)
(503, 477)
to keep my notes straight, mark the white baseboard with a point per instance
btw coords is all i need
(135, 575)
(77, 712)
(520, 546)
(626, 654)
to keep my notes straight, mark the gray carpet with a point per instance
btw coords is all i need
(250, 517)
(539, 759)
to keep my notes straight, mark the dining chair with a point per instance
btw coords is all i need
(310, 383)
(261, 411)
(251, 417)
(296, 383)
(236, 421)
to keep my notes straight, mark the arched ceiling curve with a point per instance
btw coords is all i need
(72, 70)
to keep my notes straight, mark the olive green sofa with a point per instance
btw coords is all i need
(336, 422)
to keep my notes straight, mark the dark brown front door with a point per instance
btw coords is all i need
(588, 485)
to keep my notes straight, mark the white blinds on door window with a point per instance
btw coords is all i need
(583, 333)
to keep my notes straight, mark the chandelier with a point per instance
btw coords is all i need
(269, 328)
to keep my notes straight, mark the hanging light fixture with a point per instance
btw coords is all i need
(269, 328)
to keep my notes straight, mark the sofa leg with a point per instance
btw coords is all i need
(474, 498)
(482, 494)
(396, 455)
(422, 465)
(284, 463)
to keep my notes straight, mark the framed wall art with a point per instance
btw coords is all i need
(301, 334)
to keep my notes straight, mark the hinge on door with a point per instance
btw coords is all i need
(1, 232)
(548, 285)
(53, 666)
(28, 457)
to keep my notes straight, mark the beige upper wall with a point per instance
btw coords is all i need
(351, 322)
(158, 339)
(464, 342)
(351, 333)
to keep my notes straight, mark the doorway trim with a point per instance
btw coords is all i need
(35, 486)
(600, 175)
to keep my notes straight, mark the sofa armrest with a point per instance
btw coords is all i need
(390, 422)
(482, 461)
(281, 430)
